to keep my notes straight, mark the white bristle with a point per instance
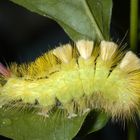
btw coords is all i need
(85, 48)
(130, 62)
(64, 53)
(108, 49)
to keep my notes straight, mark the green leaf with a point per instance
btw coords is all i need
(81, 19)
(95, 121)
(99, 120)
(30, 126)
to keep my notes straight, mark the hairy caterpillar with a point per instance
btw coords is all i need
(77, 79)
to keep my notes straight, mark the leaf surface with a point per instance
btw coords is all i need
(30, 126)
(81, 19)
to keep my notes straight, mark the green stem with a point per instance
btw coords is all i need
(133, 45)
(132, 131)
(133, 24)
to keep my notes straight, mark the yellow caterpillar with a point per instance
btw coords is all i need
(76, 78)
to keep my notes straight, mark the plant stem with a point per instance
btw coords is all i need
(133, 46)
(132, 131)
(133, 24)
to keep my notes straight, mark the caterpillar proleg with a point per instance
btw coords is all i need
(76, 78)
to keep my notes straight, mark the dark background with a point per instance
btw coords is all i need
(25, 35)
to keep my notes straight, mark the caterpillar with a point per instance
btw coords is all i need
(76, 78)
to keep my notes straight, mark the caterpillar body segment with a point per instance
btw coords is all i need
(89, 76)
